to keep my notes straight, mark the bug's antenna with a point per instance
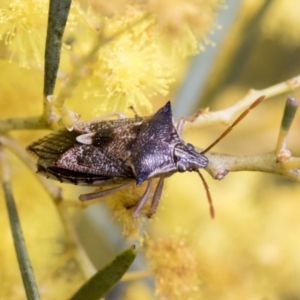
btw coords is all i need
(239, 118)
(209, 198)
(136, 115)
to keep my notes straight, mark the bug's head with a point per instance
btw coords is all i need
(188, 159)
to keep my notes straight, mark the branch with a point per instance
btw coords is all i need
(56, 195)
(25, 123)
(18, 150)
(221, 164)
(69, 117)
(226, 115)
(280, 161)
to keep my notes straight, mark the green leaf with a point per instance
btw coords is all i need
(20, 246)
(57, 19)
(290, 109)
(106, 278)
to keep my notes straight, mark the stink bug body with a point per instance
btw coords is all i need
(121, 152)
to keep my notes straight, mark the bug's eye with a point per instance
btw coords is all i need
(190, 146)
(181, 166)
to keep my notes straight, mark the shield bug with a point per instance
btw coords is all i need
(122, 152)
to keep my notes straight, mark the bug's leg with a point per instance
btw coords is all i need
(156, 197)
(99, 194)
(182, 120)
(113, 114)
(180, 125)
(82, 125)
(142, 201)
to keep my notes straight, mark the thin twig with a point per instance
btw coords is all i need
(69, 117)
(11, 144)
(55, 194)
(226, 115)
(23, 123)
(73, 242)
(220, 164)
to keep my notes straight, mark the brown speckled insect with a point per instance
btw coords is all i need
(122, 152)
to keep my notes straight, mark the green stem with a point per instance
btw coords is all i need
(23, 123)
(290, 110)
(57, 19)
(20, 246)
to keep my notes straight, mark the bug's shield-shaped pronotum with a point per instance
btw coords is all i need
(119, 153)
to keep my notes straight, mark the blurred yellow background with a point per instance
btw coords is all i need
(250, 250)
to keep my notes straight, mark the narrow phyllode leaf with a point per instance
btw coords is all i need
(290, 109)
(16, 229)
(57, 19)
(105, 279)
